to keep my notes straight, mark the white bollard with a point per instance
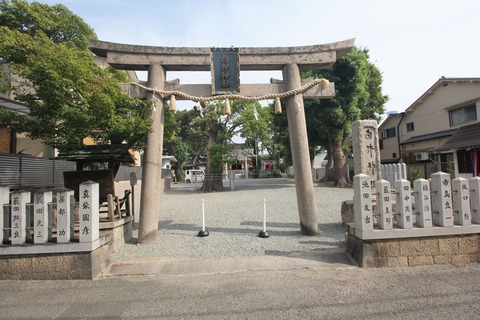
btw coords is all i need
(203, 232)
(264, 233)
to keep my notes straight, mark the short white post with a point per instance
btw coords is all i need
(423, 205)
(384, 205)
(475, 199)
(442, 210)
(4, 217)
(18, 215)
(64, 216)
(264, 233)
(404, 204)
(88, 211)
(203, 232)
(461, 202)
(41, 223)
(362, 205)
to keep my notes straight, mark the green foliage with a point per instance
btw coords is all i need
(414, 175)
(69, 96)
(358, 96)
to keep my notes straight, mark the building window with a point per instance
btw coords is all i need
(380, 142)
(410, 126)
(389, 133)
(394, 155)
(463, 115)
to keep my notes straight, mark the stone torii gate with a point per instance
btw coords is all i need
(291, 60)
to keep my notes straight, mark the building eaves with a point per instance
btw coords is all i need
(430, 136)
(443, 81)
(465, 138)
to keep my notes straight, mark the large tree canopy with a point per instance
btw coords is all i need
(69, 96)
(358, 95)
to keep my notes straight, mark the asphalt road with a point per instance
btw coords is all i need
(437, 292)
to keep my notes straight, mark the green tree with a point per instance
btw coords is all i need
(220, 129)
(69, 96)
(358, 96)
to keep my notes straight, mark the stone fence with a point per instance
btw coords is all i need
(439, 210)
(46, 236)
(393, 172)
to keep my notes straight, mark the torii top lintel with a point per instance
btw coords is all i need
(137, 57)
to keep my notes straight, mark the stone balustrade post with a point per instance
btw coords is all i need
(404, 204)
(362, 204)
(423, 205)
(4, 216)
(461, 202)
(384, 205)
(475, 199)
(41, 223)
(442, 207)
(64, 216)
(88, 211)
(18, 216)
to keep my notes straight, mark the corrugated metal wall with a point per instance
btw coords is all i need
(28, 171)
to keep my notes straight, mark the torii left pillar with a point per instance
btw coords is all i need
(152, 166)
(297, 129)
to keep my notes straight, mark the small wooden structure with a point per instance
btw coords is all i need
(111, 206)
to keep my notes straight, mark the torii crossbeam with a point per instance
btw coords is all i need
(291, 60)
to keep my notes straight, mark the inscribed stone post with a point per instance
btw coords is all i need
(404, 204)
(384, 205)
(18, 216)
(461, 202)
(442, 211)
(88, 212)
(4, 217)
(475, 198)
(366, 150)
(40, 216)
(64, 216)
(362, 204)
(423, 205)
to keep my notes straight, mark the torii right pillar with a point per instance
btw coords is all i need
(297, 129)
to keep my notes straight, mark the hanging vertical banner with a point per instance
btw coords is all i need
(225, 68)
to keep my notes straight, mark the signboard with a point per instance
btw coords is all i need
(225, 68)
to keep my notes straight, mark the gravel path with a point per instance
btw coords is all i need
(234, 219)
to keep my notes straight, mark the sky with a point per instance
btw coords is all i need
(412, 42)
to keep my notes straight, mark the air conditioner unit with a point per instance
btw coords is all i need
(421, 156)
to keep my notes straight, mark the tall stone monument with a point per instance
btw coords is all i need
(366, 149)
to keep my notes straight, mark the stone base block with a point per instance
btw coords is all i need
(455, 249)
(55, 266)
(67, 261)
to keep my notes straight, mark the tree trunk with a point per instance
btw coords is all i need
(340, 167)
(329, 169)
(213, 177)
